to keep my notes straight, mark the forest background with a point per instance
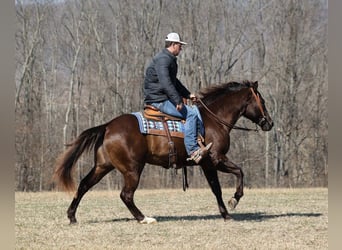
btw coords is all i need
(80, 63)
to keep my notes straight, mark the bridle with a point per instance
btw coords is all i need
(231, 126)
(258, 101)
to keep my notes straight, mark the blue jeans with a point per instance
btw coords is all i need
(192, 126)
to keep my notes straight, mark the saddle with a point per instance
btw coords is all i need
(153, 113)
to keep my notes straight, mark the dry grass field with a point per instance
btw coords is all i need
(264, 219)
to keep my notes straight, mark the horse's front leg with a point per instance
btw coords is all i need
(212, 178)
(227, 166)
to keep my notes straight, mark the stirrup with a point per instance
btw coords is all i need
(200, 153)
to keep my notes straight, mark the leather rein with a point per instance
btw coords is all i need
(229, 125)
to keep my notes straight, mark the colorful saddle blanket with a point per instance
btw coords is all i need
(153, 127)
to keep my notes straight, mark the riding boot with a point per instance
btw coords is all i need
(200, 153)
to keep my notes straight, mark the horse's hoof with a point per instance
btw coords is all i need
(227, 218)
(73, 222)
(148, 220)
(232, 203)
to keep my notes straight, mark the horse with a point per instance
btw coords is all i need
(119, 144)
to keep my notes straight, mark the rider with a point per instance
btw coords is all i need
(164, 91)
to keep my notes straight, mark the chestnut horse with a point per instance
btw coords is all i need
(120, 144)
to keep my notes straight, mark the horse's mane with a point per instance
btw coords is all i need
(213, 92)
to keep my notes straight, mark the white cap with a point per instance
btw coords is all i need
(174, 37)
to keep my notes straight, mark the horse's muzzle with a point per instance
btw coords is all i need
(266, 123)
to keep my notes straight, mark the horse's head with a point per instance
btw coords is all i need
(256, 110)
(233, 100)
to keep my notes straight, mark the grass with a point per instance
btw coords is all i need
(264, 219)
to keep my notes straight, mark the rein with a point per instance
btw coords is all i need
(229, 125)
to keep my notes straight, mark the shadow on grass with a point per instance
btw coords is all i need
(260, 216)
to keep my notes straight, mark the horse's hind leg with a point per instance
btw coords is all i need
(127, 196)
(212, 178)
(93, 177)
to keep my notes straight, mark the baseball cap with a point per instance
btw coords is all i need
(174, 37)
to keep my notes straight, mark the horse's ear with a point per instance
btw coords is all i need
(255, 84)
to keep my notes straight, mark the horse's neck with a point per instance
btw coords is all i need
(229, 108)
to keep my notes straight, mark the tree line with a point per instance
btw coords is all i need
(80, 63)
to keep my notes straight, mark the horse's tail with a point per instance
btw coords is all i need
(88, 139)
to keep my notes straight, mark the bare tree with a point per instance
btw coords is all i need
(28, 95)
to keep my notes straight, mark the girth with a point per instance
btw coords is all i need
(153, 113)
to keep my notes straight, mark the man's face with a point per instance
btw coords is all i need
(177, 47)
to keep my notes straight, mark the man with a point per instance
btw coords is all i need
(163, 90)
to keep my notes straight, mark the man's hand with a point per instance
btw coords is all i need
(179, 106)
(193, 97)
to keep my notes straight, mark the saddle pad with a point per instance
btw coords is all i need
(152, 127)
